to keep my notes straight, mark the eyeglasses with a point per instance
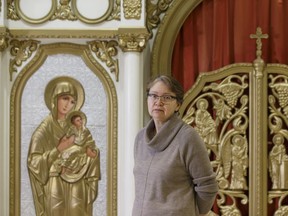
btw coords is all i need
(163, 98)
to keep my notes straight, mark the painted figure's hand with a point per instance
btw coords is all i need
(90, 152)
(65, 142)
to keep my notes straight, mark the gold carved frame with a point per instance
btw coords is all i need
(246, 103)
(167, 33)
(15, 120)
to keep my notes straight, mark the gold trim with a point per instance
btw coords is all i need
(92, 21)
(61, 33)
(83, 33)
(31, 20)
(167, 34)
(15, 120)
(132, 9)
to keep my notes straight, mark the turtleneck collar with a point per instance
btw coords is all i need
(161, 140)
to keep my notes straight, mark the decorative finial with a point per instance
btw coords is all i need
(258, 37)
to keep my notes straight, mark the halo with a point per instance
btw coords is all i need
(51, 85)
(77, 112)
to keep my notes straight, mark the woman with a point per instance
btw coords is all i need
(54, 196)
(173, 174)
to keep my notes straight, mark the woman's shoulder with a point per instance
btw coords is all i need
(188, 136)
(188, 129)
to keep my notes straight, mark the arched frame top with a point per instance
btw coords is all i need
(15, 119)
(167, 34)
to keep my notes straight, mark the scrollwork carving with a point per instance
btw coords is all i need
(21, 50)
(115, 15)
(219, 114)
(132, 9)
(154, 11)
(231, 209)
(12, 14)
(280, 196)
(64, 12)
(105, 51)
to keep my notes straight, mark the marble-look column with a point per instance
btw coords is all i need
(4, 122)
(130, 114)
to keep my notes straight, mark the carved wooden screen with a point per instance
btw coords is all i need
(241, 112)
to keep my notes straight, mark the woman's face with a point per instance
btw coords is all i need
(159, 109)
(65, 104)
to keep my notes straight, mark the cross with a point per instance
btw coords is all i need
(258, 36)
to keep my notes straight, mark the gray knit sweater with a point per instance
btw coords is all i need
(173, 174)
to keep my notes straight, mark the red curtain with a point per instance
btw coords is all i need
(217, 33)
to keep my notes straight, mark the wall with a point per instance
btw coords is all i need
(28, 26)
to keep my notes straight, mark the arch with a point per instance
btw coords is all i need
(15, 120)
(167, 33)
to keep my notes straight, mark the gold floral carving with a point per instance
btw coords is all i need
(154, 11)
(65, 10)
(105, 51)
(12, 14)
(115, 15)
(21, 50)
(132, 9)
(133, 41)
(4, 38)
(219, 115)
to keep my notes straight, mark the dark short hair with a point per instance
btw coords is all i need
(74, 117)
(171, 83)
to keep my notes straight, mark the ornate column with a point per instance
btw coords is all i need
(130, 111)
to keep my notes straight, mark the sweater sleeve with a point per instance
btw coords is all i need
(197, 163)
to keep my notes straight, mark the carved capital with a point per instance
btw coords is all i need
(132, 9)
(134, 41)
(4, 38)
